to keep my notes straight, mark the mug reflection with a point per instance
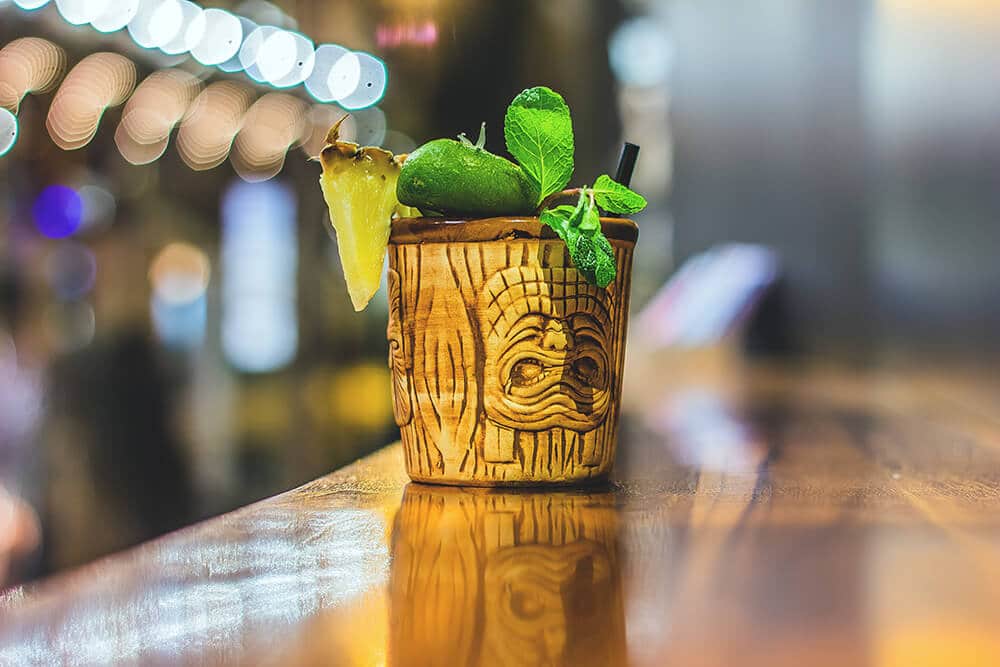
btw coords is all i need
(481, 577)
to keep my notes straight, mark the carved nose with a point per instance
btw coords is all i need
(557, 337)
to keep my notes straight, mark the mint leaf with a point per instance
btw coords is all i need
(590, 222)
(539, 134)
(614, 197)
(558, 219)
(594, 258)
(580, 228)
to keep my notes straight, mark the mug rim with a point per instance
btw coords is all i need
(464, 230)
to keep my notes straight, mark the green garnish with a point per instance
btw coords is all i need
(459, 177)
(539, 134)
(614, 197)
(580, 228)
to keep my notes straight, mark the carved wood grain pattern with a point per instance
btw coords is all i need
(451, 438)
(538, 573)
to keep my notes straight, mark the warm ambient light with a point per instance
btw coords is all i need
(179, 273)
(28, 65)
(179, 277)
(157, 105)
(99, 81)
(207, 131)
(273, 124)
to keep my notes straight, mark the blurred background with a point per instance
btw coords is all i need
(175, 336)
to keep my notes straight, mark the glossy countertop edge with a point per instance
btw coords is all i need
(362, 483)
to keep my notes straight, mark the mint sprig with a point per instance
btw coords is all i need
(539, 134)
(580, 228)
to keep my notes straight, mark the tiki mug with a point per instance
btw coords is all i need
(506, 364)
(483, 577)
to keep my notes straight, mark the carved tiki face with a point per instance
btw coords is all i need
(546, 336)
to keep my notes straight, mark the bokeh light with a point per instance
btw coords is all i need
(366, 127)
(71, 269)
(286, 59)
(263, 44)
(221, 34)
(8, 131)
(371, 84)
(424, 33)
(369, 126)
(115, 16)
(640, 52)
(156, 23)
(319, 120)
(99, 207)
(58, 211)
(157, 105)
(31, 4)
(206, 134)
(317, 83)
(28, 65)
(234, 64)
(179, 276)
(251, 50)
(264, 12)
(259, 265)
(344, 76)
(189, 31)
(273, 124)
(97, 82)
(179, 273)
(80, 12)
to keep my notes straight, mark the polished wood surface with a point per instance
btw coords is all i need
(760, 516)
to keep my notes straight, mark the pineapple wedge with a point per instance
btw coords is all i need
(359, 185)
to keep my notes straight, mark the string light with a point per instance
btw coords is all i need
(98, 82)
(220, 122)
(273, 124)
(157, 105)
(268, 54)
(115, 16)
(28, 65)
(211, 124)
(221, 35)
(8, 131)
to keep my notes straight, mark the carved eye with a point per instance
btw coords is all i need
(586, 369)
(526, 372)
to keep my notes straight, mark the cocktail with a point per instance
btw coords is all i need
(506, 329)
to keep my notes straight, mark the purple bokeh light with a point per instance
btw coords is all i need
(58, 211)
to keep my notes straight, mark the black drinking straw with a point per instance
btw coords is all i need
(626, 163)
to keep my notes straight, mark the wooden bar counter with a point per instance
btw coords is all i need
(759, 516)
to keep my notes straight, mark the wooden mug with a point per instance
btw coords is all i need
(506, 364)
